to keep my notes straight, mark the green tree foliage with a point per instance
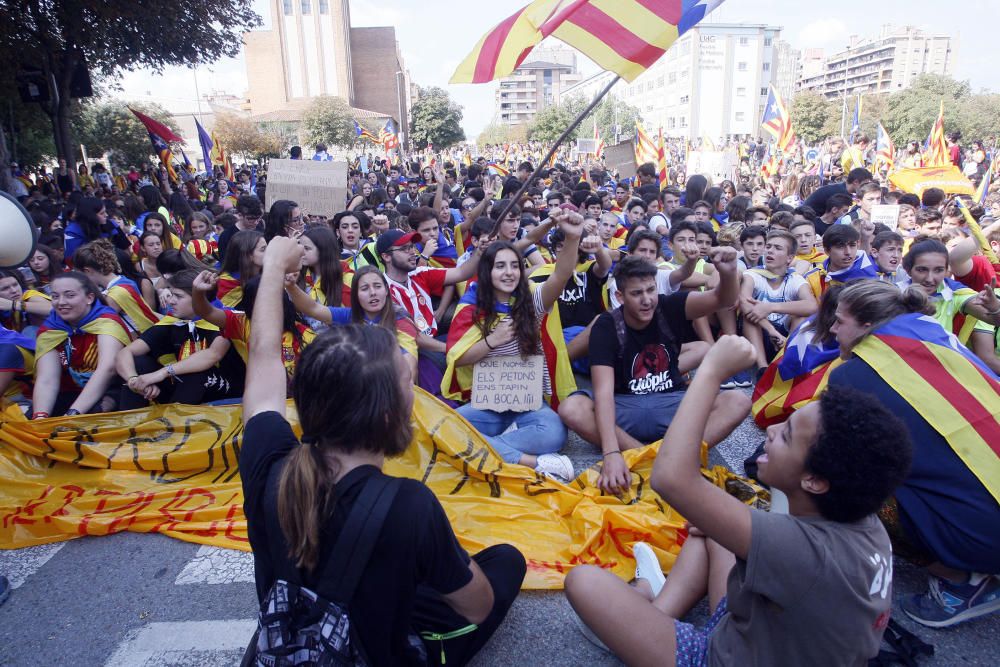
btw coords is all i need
(241, 136)
(109, 127)
(328, 120)
(551, 122)
(911, 112)
(112, 36)
(811, 114)
(28, 132)
(435, 119)
(500, 133)
(610, 113)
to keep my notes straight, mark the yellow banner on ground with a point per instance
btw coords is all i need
(948, 178)
(173, 470)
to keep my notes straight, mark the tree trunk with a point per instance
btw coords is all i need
(5, 176)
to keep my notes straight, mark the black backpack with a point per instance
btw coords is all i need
(297, 626)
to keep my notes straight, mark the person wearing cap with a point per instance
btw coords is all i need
(412, 287)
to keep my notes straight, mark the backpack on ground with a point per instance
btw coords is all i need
(299, 627)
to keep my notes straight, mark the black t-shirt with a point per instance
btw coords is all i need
(648, 362)
(182, 340)
(817, 200)
(416, 546)
(581, 299)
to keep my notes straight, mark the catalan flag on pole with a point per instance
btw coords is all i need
(661, 157)
(161, 137)
(598, 142)
(777, 121)
(885, 150)
(948, 385)
(856, 123)
(622, 36)
(220, 158)
(936, 149)
(362, 133)
(645, 147)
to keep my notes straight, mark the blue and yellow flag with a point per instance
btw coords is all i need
(948, 385)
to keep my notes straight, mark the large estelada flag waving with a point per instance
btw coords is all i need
(777, 121)
(947, 384)
(622, 36)
(161, 137)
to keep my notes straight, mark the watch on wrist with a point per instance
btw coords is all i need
(72, 412)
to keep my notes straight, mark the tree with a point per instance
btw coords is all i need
(499, 133)
(109, 127)
(551, 122)
(113, 36)
(811, 114)
(611, 112)
(328, 120)
(240, 135)
(911, 112)
(435, 119)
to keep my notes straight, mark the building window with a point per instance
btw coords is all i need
(324, 6)
(649, 85)
(766, 67)
(659, 82)
(672, 77)
(684, 99)
(741, 66)
(767, 41)
(684, 121)
(741, 92)
(671, 123)
(287, 7)
(306, 7)
(740, 116)
(744, 41)
(763, 92)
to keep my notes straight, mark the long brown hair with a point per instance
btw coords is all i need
(522, 310)
(328, 269)
(348, 396)
(387, 317)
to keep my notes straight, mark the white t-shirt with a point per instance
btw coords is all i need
(787, 290)
(663, 286)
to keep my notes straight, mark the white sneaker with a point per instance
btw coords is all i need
(556, 466)
(648, 567)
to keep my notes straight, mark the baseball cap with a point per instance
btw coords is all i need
(394, 238)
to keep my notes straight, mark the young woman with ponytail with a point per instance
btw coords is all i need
(353, 396)
(945, 516)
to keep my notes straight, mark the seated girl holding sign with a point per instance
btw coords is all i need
(505, 317)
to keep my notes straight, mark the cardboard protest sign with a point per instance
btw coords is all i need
(508, 383)
(887, 214)
(319, 188)
(621, 158)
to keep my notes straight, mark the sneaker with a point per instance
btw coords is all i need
(738, 381)
(648, 567)
(946, 604)
(4, 589)
(589, 634)
(556, 466)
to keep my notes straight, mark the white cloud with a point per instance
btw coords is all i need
(823, 33)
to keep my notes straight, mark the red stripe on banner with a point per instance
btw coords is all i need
(486, 63)
(668, 10)
(923, 361)
(613, 34)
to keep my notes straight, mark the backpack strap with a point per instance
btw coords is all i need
(618, 317)
(340, 575)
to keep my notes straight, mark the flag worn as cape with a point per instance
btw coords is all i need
(464, 333)
(797, 376)
(948, 385)
(132, 307)
(101, 320)
(229, 289)
(11, 337)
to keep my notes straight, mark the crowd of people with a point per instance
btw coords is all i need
(650, 309)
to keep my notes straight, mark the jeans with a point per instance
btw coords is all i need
(538, 432)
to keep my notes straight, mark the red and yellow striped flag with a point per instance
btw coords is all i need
(661, 156)
(623, 36)
(936, 153)
(645, 147)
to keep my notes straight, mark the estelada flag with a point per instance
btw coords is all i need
(101, 320)
(946, 384)
(777, 121)
(624, 36)
(131, 306)
(464, 333)
(796, 377)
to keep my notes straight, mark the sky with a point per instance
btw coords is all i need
(435, 35)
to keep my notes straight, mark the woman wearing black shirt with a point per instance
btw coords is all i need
(353, 394)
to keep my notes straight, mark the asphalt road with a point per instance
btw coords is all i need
(132, 600)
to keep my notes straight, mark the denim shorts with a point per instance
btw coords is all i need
(692, 643)
(645, 417)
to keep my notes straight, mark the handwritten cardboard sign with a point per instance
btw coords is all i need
(887, 214)
(620, 159)
(319, 188)
(508, 384)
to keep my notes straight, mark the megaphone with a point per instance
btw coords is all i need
(18, 233)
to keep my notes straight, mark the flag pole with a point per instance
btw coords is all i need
(552, 151)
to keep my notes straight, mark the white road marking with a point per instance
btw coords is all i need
(215, 565)
(19, 564)
(184, 643)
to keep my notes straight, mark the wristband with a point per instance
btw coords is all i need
(72, 412)
(486, 339)
(171, 372)
(614, 451)
(39, 415)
